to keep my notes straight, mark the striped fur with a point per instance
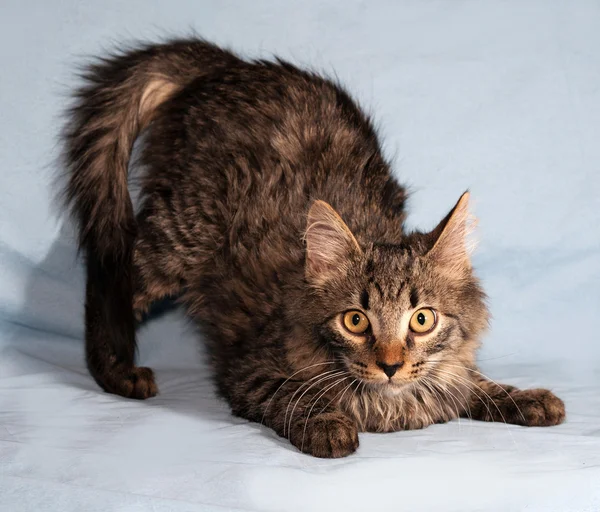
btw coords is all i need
(269, 211)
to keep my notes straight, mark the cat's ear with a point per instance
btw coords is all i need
(452, 246)
(330, 244)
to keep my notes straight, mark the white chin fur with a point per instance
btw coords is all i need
(392, 390)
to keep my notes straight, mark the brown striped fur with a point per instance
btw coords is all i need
(269, 211)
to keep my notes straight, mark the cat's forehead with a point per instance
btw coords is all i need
(392, 274)
(382, 259)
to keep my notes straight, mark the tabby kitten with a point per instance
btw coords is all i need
(270, 212)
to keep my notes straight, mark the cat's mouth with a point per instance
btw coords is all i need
(390, 385)
(380, 383)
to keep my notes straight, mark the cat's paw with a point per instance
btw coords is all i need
(533, 408)
(143, 383)
(133, 382)
(328, 435)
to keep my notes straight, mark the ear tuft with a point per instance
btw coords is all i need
(329, 243)
(452, 247)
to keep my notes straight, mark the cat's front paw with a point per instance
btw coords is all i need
(328, 435)
(534, 408)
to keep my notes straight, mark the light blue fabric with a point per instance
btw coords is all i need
(499, 97)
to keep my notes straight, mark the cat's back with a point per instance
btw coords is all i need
(244, 150)
(262, 127)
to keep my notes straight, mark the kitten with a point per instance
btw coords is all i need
(270, 212)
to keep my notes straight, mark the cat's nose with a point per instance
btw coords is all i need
(389, 369)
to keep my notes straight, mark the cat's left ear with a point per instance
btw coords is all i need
(451, 244)
(330, 245)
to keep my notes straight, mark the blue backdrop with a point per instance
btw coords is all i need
(499, 97)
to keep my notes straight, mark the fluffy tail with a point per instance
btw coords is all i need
(121, 96)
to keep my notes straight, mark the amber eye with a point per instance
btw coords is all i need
(423, 321)
(356, 322)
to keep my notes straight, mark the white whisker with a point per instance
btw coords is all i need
(342, 392)
(323, 379)
(471, 383)
(429, 385)
(354, 394)
(493, 382)
(306, 383)
(454, 399)
(285, 382)
(316, 399)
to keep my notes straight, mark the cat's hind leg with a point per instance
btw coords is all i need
(110, 333)
(528, 407)
(154, 276)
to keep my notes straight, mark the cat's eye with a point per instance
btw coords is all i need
(356, 322)
(423, 321)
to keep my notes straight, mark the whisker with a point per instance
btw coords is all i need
(340, 399)
(470, 382)
(426, 408)
(493, 382)
(321, 393)
(300, 387)
(429, 384)
(316, 399)
(286, 381)
(346, 389)
(433, 383)
(466, 403)
(454, 399)
(497, 357)
(354, 393)
(466, 400)
(333, 376)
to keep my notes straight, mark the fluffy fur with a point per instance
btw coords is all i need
(269, 211)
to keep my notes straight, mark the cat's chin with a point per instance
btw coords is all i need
(390, 389)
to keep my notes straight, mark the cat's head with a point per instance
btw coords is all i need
(391, 313)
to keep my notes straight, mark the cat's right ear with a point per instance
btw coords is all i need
(330, 245)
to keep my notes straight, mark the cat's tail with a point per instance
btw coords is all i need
(121, 96)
